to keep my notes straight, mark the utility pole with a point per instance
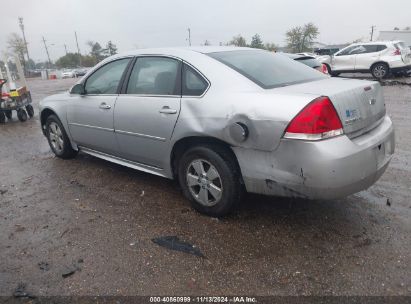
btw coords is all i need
(65, 48)
(78, 49)
(21, 24)
(372, 32)
(47, 51)
(189, 36)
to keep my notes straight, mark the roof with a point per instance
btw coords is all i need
(198, 49)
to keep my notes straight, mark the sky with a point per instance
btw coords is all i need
(134, 24)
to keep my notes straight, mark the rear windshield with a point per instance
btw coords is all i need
(268, 70)
(400, 45)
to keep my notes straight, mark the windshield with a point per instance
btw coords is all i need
(268, 70)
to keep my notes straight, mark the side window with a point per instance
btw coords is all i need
(381, 47)
(360, 49)
(193, 83)
(346, 51)
(107, 78)
(155, 76)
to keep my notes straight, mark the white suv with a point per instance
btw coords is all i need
(379, 58)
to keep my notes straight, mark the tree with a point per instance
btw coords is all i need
(300, 39)
(396, 28)
(272, 47)
(111, 48)
(16, 46)
(70, 60)
(257, 42)
(407, 28)
(97, 52)
(238, 41)
(206, 43)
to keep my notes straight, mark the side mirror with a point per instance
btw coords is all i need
(78, 89)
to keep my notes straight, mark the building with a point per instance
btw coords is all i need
(396, 35)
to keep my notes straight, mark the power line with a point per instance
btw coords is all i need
(47, 51)
(78, 49)
(21, 25)
(372, 32)
(189, 36)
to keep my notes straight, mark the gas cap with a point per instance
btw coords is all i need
(239, 131)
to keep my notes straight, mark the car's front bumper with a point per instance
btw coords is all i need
(327, 169)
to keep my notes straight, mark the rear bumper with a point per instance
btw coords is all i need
(405, 68)
(328, 169)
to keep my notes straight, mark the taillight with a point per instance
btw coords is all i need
(318, 120)
(324, 68)
(397, 52)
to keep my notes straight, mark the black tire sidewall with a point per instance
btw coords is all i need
(30, 110)
(22, 115)
(67, 151)
(228, 174)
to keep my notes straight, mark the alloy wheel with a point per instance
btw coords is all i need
(204, 182)
(56, 137)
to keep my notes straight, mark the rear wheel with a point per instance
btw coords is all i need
(210, 179)
(2, 117)
(380, 70)
(58, 139)
(30, 110)
(22, 115)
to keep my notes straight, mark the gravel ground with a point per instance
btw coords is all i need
(93, 221)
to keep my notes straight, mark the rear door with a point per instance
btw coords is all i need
(147, 110)
(367, 55)
(344, 60)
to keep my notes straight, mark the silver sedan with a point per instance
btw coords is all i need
(226, 120)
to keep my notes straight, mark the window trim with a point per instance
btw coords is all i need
(124, 86)
(201, 75)
(120, 85)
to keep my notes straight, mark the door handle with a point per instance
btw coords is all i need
(104, 106)
(167, 110)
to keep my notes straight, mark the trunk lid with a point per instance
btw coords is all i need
(359, 104)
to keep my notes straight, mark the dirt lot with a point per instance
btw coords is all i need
(97, 219)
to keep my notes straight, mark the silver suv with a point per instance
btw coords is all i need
(378, 58)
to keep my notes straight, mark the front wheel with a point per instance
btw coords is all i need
(210, 179)
(380, 70)
(30, 110)
(58, 139)
(22, 115)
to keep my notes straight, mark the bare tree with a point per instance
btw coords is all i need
(16, 45)
(238, 41)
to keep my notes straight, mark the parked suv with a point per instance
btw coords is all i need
(379, 58)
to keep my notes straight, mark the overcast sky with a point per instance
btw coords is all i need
(155, 23)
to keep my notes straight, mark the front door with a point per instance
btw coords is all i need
(344, 60)
(90, 116)
(145, 115)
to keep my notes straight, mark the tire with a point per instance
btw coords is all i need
(30, 110)
(220, 172)
(9, 114)
(58, 139)
(22, 115)
(380, 70)
(328, 69)
(2, 117)
(334, 74)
